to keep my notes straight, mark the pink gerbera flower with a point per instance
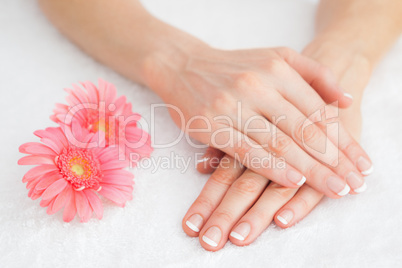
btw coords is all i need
(98, 109)
(72, 174)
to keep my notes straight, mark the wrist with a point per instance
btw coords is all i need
(339, 51)
(169, 51)
(347, 60)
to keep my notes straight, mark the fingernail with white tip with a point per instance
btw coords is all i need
(296, 177)
(361, 189)
(241, 231)
(345, 190)
(202, 160)
(195, 222)
(368, 171)
(285, 216)
(302, 181)
(364, 165)
(212, 236)
(338, 186)
(356, 182)
(347, 95)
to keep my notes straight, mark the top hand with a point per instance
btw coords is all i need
(274, 119)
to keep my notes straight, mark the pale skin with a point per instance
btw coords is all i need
(235, 203)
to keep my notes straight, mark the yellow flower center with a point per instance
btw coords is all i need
(103, 125)
(100, 125)
(80, 167)
(77, 169)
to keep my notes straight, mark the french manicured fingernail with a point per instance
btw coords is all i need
(241, 231)
(195, 222)
(338, 186)
(356, 182)
(212, 236)
(347, 95)
(365, 167)
(285, 216)
(296, 177)
(204, 158)
(361, 189)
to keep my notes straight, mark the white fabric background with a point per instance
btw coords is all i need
(36, 62)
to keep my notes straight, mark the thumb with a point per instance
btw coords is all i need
(320, 77)
(210, 160)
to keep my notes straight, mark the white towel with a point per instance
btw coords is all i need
(36, 62)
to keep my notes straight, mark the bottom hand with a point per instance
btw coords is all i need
(239, 205)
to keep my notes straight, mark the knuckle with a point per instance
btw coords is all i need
(340, 161)
(324, 71)
(262, 216)
(314, 170)
(302, 203)
(224, 215)
(223, 176)
(222, 100)
(281, 144)
(247, 185)
(280, 192)
(204, 111)
(298, 129)
(310, 134)
(331, 113)
(243, 149)
(336, 161)
(246, 80)
(319, 114)
(204, 202)
(350, 147)
(285, 52)
(306, 131)
(277, 66)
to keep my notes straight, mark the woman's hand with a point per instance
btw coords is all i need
(238, 204)
(258, 105)
(241, 219)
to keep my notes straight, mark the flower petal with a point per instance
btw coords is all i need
(54, 189)
(49, 209)
(93, 95)
(81, 202)
(115, 164)
(32, 183)
(95, 203)
(79, 94)
(113, 180)
(70, 210)
(36, 160)
(125, 190)
(45, 203)
(48, 180)
(38, 171)
(107, 91)
(54, 145)
(61, 199)
(119, 173)
(113, 195)
(71, 98)
(53, 137)
(37, 149)
(107, 154)
(35, 196)
(59, 135)
(120, 104)
(76, 129)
